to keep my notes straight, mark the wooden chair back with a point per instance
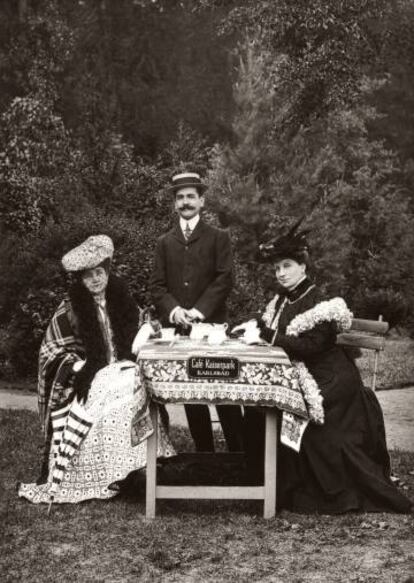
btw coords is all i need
(368, 334)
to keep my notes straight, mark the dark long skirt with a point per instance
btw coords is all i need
(344, 464)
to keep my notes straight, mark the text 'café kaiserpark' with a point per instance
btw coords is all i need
(199, 366)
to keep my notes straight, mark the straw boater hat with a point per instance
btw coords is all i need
(89, 254)
(187, 179)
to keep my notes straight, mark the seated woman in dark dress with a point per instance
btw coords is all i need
(342, 464)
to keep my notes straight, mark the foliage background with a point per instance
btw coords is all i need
(288, 109)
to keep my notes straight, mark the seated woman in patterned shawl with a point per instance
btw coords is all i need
(342, 463)
(90, 398)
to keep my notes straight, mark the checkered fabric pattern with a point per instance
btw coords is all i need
(71, 425)
(60, 349)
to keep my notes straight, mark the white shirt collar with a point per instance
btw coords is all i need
(192, 223)
(100, 301)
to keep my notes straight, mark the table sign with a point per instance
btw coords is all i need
(213, 367)
(266, 378)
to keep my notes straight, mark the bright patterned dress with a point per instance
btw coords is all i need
(116, 409)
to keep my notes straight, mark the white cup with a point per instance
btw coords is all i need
(167, 334)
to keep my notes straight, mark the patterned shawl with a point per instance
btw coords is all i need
(60, 349)
(75, 333)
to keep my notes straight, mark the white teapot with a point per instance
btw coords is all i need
(200, 331)
(217, 334)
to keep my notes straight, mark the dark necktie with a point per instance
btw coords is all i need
(187, 232)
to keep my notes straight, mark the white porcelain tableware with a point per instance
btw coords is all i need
(218, 334)
(200, 331)
(167, 334)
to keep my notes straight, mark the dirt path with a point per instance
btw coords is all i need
(398, 407)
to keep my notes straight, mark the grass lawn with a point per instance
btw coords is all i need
(190, 541)
(395, 367)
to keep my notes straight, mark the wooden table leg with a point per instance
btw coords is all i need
(152, 446)
(269, 509)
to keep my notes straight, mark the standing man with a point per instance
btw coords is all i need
(191, 281)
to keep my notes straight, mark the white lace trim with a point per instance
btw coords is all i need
(334, 310)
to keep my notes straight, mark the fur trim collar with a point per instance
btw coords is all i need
(334, 310)
(124, 317)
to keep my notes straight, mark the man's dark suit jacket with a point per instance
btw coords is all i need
(193, 274)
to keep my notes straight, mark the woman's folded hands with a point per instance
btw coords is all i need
(249, 330)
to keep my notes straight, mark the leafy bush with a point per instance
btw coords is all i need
(37, 294)
(388, 303)
(117, 195)
(300, 145)
(346, 185)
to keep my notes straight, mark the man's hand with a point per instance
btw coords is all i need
(182, 318)
(195, 314)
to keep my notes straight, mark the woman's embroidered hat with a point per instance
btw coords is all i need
(187, 179)
(292, 245)
(89, 254)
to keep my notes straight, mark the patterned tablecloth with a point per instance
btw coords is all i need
(257, 375)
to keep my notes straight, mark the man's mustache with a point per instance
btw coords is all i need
(186, 207)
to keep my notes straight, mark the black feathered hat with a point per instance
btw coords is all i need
(292, 245)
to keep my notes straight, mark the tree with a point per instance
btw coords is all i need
(347, 185)
(326, 47)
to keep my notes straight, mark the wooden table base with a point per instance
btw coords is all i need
(267, 492)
